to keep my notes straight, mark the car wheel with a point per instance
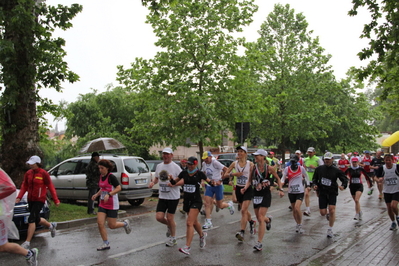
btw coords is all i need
(136, 202)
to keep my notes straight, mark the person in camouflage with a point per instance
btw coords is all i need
(92, 178)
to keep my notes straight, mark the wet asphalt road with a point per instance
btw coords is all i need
(145, 245)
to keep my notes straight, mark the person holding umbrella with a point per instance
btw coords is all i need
(92, 178)
(109, 203)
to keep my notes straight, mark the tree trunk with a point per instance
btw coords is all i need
(19, 120)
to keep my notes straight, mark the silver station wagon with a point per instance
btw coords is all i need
(133, 173)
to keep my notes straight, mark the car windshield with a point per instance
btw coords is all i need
(135, 166)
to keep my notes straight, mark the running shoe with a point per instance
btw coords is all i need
(252, 229)
(202, 239)
(393, 226)
(207, 225)
(53, 229)
(185, 250)
(231, 207)
(306, 213)
(258, 246)
(25, 245)
(328, 217)
(240, 236)
(269, 224)
(299, 229)
(182, 211)
(168, 233)
(290, 207)
(171, 242)
(127, 227)
(330, 233)
(202, 212)
(32, 260)
(360, 215)
(104, 247)
(356, 217)
(217, 208)
(370, 191)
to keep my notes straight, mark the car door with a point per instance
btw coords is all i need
(80, 190)
(63, 177)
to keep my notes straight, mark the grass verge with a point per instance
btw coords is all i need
(67, 212)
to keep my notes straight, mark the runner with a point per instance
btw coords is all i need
(36, 182)
(390, 180)
(109, 203)
(365, 163)
(355, 173)
(310, 164)
(244, 191)
(296, 176)
(168, 198)
(191, 179)
(262, 182)
(325, 183)
(7, 200)
(376, 164)
(213, 170)
(343, 163)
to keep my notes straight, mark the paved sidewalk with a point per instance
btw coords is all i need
(372, 244)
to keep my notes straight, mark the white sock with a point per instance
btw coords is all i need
(308, 209)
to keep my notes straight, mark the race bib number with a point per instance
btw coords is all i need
(355, 180)
(103, 193)
(309, 169)
(391, 181)
(258, 199)
(294, 189)
(366, 163)
(164, 188)
(189, 188)
(326, 182)
(342, 166)
(242, 180)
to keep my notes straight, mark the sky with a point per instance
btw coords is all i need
(106, 35)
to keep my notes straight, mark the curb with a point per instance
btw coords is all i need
(84, 221)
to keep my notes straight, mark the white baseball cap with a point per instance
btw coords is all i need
(34, 160)
(260, 152)
(167, 150)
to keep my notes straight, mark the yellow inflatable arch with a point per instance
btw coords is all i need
(388, 142)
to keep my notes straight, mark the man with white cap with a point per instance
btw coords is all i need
(213, 170)
(168, 196)
(299, 154)
(310, 163)
(325, 183)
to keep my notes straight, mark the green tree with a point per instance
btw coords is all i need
(30, 59)
(108, 114)
(383, 48)
(190, 90)
(292, 72)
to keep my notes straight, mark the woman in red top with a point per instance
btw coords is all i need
(36, 181)
(343, 163)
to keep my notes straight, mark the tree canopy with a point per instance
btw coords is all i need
(30, 59)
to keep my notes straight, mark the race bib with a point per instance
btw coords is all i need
(258, 199)
(391, 181)
(342, 166)
(355, 180)
(103, 193)
(326, 182)
(294, 189)
(366, 163)
(309, 169)
(242, 180)
(164, 188)
(189, 188)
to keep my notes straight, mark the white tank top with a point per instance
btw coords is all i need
(242, 180)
